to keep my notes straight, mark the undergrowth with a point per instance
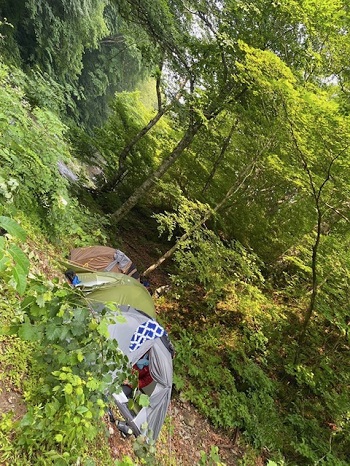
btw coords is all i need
(235, 344)
(57, 352)
(240, 375)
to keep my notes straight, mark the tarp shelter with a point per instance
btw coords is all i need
(140, 333)
(103, 258)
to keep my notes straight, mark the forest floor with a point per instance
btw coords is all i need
(185, 433)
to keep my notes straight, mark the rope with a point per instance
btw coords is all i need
(169, 434)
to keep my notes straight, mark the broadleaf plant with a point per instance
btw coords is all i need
(74, 366)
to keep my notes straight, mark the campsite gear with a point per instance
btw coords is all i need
(122, 261)
(72, 277)
(117, 288)
(145, 377)
(103, 258)
(127, 391)
(139, 334)
(144, 361)
(146, 283)
(124, 428)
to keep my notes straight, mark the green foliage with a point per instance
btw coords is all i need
(243, 396)
(57, 34)
(145, 450)
(235, 373)
(128, 115)
(14, 268)
(213, 459)
(236, 347)
(117, 65)
(42, 90)
(125, 461)
(215, 262)
(72, 363)
(14, 265)
(32, 144)
(15, 354)
(82, 49)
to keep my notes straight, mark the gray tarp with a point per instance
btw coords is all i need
(136, 305)
(161, 367)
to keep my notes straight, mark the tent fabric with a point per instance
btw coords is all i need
(160, 366)
(103, 258)
(160, 359)
(161, 369)
(116, 288)
(146, 331)
(94, 258)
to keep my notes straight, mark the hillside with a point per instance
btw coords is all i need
(212, 138)
(186, 435)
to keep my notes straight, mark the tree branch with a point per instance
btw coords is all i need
(116, 179)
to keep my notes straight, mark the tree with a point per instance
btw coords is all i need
(118, 176)
(82, 47)
(192, 227)
(55, 35)
(206, 44)
(320, 149)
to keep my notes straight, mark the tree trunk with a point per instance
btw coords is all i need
(120, 174)
(157, 174)
(212, 112)
(233, 190)
(311, 306)
(217, 162)
(316, 193)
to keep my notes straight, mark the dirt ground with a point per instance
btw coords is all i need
(184, 435)
(11, 401)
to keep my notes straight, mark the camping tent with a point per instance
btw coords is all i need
(103, 258)
(139, 334)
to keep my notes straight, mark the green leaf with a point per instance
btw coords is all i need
(103, 328)
(20, 279)
(9, 329)
(29, 332)
(81, 409)
(93, 384)
(143, 400)
(68, 389)
(20, 259)
(43, 298)
(53, 331)
(13, 228)
(3, 264)
(59, 437)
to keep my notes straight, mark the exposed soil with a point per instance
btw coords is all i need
(184, 435)
(11, 401)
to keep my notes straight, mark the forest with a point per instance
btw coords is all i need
(210, 139)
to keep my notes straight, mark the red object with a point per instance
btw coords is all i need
(145, 377)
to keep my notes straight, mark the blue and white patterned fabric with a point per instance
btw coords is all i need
(149, 330)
